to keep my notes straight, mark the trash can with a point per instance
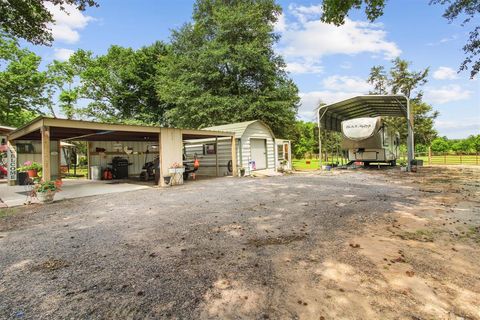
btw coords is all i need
(95, 173)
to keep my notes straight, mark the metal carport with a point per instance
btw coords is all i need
(330, 116)
(53, 130)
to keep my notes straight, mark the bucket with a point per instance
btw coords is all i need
(95, 173)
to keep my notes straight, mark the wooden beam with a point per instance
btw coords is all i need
(59, 160)
(234, 157)
(46, 172)
(216, 156)
(88, 160)
(78, 124)
(161, 180)
(33, 126)
(207, 133)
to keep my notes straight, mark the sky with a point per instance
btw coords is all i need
(327, 63)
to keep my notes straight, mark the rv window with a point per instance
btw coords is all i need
(386, 142)
(281, 155)
(209, 149)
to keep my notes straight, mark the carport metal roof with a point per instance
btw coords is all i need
(330, 116)
(64, 129)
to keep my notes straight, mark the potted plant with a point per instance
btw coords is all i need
(45, 190)
(31, 167)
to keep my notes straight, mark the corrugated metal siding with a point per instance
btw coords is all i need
(137, 160)
(257, 131)
(251, 129)
(207, 162)
(36, 156)
(237, 128)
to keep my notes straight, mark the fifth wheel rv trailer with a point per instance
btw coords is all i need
(370, 140)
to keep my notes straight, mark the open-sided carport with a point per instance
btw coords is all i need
(50, 131)
(330, 116)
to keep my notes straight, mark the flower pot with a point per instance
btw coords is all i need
(32, 173)
(46, 197)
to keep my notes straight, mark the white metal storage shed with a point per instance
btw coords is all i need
(256, 149)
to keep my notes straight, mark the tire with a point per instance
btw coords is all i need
(230, 166)
(393, 163)
(366, 164)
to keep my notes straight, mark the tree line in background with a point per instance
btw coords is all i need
(218, 69)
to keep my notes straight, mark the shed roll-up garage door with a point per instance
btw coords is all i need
(258, 150)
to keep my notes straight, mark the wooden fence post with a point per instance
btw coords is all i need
(429, 155)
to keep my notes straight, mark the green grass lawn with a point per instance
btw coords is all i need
(301, 164)
(81, 173)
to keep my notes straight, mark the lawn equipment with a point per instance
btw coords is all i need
(149, 168)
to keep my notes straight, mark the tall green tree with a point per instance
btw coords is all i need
(118, 86)
(400, 79)
(29, 19)
(222, 68)
(22, 85)
(335, 11)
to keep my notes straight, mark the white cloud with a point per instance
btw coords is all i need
(310, 100)
(458, 129)
(334, 88)
(67, 23)
(306, 39)
(347, 83)
(280, 25)
(304, 67)
(445, 73)
(446, 94)
(443, 40)
(62, 54)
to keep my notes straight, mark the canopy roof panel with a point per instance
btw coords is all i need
(330, 116)
(239, 128)
(69, 130)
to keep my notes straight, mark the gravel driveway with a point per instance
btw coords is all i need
(250, 248)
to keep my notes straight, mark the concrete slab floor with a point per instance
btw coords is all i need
(13, 196)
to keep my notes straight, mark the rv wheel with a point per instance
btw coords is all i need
(230, 166)
(393, 163)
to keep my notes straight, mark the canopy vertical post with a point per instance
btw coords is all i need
(319, 141)
(234, 156)
(216, 157)
(46, 170)
(410, 142)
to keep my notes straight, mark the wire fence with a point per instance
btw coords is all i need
(446, 158)
(311, 160)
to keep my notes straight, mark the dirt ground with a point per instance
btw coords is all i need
(363, 244)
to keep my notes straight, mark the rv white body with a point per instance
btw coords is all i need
(369, 140)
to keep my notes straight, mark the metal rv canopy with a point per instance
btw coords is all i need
(330, 116)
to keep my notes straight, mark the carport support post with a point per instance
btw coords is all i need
(410, 143)
(45, 131)
(216, 156)
(319, 143)
(234, 157)
(170, 146)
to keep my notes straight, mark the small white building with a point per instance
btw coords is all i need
(256, 146)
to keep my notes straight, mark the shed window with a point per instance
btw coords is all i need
(209, 148)
(280, 151)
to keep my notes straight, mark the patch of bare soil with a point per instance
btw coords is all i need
(420, 262)
(361, 244)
